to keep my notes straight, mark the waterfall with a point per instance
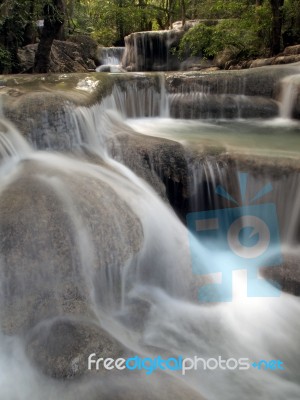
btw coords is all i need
(151, 51)
(111, 55)
(12, 144)
(290, 93)
(110, 59)
(199, 105)
(93, 260)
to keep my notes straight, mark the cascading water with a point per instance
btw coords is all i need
(90, 251)
(111, 55)
(290, 92)
(110, 59)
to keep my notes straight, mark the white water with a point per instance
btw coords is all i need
(110, 57)
(290, 91)
(160, 277)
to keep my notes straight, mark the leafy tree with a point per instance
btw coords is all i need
(277, 19)
(291, 22)
(12, 22)
(251, 27)
(245, 31)
(17, 28)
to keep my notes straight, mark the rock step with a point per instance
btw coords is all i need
(202, 105)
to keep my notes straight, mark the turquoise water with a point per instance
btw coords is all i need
(274, 138)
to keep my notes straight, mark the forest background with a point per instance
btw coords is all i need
(257, 28)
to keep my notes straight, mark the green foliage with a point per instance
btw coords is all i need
(197, 41)
(248, 35)
(109, 21)
(5, 61)
(291, 26)
(244, 25)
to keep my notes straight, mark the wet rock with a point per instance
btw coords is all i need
(201, 105)
(254, 82)
(48, 122)
(50, 264)
(60, 347)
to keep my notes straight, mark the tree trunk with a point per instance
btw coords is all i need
(120, 24)
(30, 31)
(54, 15)
(183, 12)
(277, 16)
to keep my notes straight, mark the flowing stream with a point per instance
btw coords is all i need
(79, 220)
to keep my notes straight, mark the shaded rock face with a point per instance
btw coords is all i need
(74, 55)
(69, 57)
(287, 275)
(88, 47)
(160, 162)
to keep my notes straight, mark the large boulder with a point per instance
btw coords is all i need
(60, 347)
(49, 270)
(65, 238)
(88, 47)
(66, 56)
